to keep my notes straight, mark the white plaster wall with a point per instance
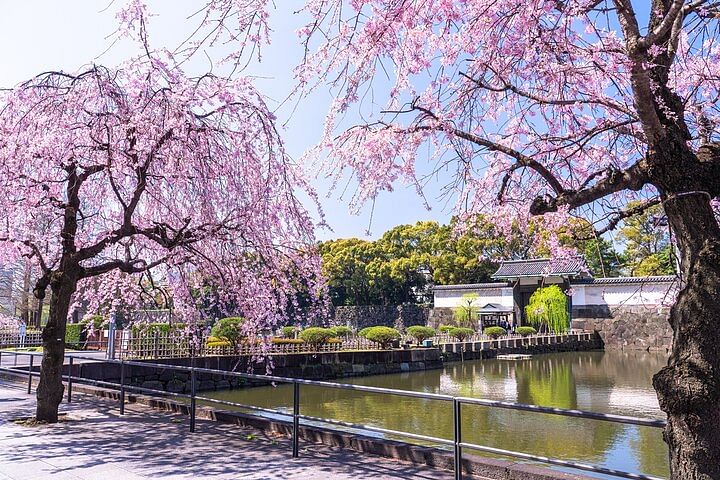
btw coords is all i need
(453, 298)
(649, 294)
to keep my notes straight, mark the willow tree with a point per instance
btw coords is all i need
(549, 306)
(106, 176)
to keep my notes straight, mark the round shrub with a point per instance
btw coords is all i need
(316, 335)
(461, 333)
(341, 331)
(445, 328)
(229, 329)
(381, 335)
(289, 331)
(420, 333)
(494, 332)
(525, 331)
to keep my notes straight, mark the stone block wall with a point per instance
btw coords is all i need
(397, 316)
(310, 366)
(631, 327)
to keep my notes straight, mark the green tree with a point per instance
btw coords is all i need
(548, 306)
(647, 243)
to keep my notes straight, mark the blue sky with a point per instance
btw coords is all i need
(50, 35)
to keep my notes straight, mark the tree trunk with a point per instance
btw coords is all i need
(689, 387)
(50, 389)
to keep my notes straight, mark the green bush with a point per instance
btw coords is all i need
(420, 333)
(494, 332)
(341, 331)
(381, 335)
(316, 335)
(461, 333)
(75, 335)
(525, 331)
(289, 331)
(445, 328)
(229, 329)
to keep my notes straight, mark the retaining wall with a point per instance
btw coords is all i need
(397, 316)
(631, 327)
(318, 366)
(571, 342)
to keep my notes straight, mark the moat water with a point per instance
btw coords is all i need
(608, 382)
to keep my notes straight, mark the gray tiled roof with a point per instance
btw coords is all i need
(541, 267)
(617, 280)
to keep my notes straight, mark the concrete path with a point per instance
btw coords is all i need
(95, 442)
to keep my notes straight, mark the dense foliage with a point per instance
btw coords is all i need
(407, 260)
(461, 333)
(316, 335)
(494, 332)
(229, 329)
(342, 331)
(420, 333)
(384, 336)
(548, 307)
(525, 331)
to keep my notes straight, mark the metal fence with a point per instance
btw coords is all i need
(457, 444)
(11, 338)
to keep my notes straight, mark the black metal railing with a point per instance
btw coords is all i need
(456, 443)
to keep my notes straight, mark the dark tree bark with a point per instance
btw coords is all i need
(50, 389)
(689, 387)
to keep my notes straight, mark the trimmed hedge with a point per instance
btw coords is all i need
(495, 332)
(525, 331)
(381, 335)
(445, 328)
(342, 331)
(316, 335)
(420, 333)
(461, 333)
(229, 329)
(75, 334)
(289, 331)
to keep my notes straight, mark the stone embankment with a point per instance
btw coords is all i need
(318, 366)
(570, 342)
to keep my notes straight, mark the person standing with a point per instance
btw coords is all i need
(22, 331)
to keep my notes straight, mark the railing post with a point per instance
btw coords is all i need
(122, 387)
(457, 437)
(192, 399)
(296, 420)
(70, 371)
(30, 373)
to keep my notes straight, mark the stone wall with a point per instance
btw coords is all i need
(569, 342)
(397, 316)
(318, 366)
(440, 316)
(632, 327)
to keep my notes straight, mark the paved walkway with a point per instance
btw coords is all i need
(95, 442)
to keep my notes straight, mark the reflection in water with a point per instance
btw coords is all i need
(609, 382)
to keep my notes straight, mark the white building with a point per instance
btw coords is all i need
(588, 297)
